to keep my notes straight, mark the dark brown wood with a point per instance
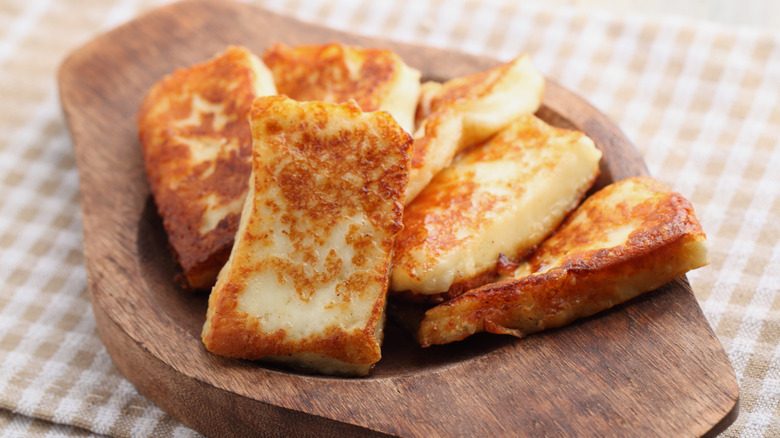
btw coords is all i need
(651, 367)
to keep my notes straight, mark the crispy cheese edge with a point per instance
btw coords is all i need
(456, 229)
(232, 332)
(468, 110)
(200, 253)
(585, 283)
(377, 79)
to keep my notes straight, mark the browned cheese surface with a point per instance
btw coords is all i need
(197, 147)
(467, 110)
(610, 376)
(500, 197)
(332, 72)
(629, 238)
(308, 274)
(375, 78)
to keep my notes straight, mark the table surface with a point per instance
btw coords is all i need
(695, 85)
(755, 13)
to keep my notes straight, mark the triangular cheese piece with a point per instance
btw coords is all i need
(629, 238)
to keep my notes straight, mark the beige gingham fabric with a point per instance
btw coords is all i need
(700, 101)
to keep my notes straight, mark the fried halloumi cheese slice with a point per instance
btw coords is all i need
(306, 282)
(197, 149)
(502, 197)
(468, 110)
(377, 79)
(627, 239)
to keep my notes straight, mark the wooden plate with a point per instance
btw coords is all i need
(651, 367)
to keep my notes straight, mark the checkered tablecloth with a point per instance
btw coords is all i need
(700, 101)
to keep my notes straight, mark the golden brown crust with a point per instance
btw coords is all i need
(453, 200)
(576, 274)
(331, 179)
(206, 104)
(377, 79)
(237, 334)
(502, 196)
(465, 111)
(434, 97)
(323, 72)
(664, 215)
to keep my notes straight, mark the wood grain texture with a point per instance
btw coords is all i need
(650, 367)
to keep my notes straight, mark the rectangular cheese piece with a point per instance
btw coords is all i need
(377, 79)
(502, 197)
(468, 110)
(197, 149)
(627, 239)
(307, 278)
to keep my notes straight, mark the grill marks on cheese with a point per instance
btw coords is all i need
(197, 149)
(377, 79)
(307, 278)
(501, 197)
(627, 239)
